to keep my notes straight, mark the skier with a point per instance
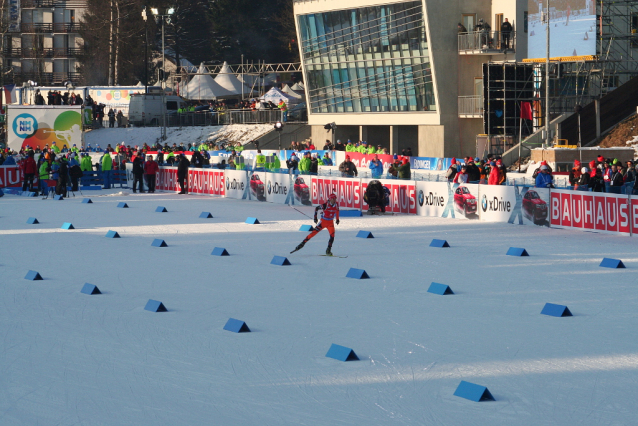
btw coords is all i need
(330, 211)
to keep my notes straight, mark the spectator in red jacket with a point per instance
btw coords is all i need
(29, 169)
(495, 175)
(150, 171)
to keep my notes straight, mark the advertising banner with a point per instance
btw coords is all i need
(448, 199)
(349, 193)
(237, 184)
(10, 176)
(497, 203)
(402, 195)
(532, 206)
(609, 213)
(208, 182)
(633, 207)
(421, 163)
(41, 125)
(301, 191)
(432, 198)
(200, 181)
(117, 99)
(279, 188)
(14, 16)
(257, 185)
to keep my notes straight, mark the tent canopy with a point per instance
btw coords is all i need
(275, 95)
(298, 87)
(293, 94)
(203, 87)
(230, 82)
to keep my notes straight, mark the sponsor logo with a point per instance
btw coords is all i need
(421, 197)
(277, 188)
(234, 185)
(433, 199)
(421, 164)
(25, 125)
(495, 205)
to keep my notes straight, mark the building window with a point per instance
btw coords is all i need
(371, 59)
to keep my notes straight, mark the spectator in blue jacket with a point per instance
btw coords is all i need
(376, 167)
(544, 179)
(327, 161)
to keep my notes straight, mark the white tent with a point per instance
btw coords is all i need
(290, 92)
(228, 81)
(203, 87)
(139, 84)
(275, 95)
(298, 87)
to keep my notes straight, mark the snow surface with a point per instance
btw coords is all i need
(72, 359)
(243, 133)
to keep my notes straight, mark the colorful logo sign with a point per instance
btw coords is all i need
(25, 126)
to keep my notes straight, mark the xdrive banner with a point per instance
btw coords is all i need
(447, 199)
(598, 212)
(514, 204)
(237, 184)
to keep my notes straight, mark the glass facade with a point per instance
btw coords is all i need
(370, 59)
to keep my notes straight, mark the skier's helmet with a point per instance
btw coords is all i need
(332, 197)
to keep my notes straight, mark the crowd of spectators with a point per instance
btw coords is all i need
(490, 171)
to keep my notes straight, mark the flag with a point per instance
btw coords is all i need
(526, 111)
(10, 94)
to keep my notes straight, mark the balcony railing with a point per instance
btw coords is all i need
(31, 28)
(48, 78)
(471, 106)
(63, 27)
(31, 53)
(29, 4)
(487, 42)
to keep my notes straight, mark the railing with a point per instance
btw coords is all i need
(487, 42)
(471, 106)
(66, 28)
(29, 53)
(48, 78)
(44, 28)
(36, 28)
(28, 4)
(250, 117)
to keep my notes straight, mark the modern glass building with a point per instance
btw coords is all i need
(393, 72)
(367, 59)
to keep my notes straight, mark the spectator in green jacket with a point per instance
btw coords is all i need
(107, 166)
(260, 160)
(404, 170)
(363, 148)
(371, 149)
(304, 164)
(350, 147)
(86, 165)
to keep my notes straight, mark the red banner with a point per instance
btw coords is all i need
(200, 181)
(596, 212)
(362, 160)
(348, 191)
(10, 176)
(402, 196)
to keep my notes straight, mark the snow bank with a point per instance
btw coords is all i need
(242, 133)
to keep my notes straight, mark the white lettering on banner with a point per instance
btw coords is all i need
(555, 209)
(634, 206)
(422, 164)
(576, 217)
(566, 215)
(600, 216)
(588, 207)
(611, 214)
(624, 218)
(3, 171)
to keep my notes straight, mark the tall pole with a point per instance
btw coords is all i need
(145, 58)
(547, 22)
(163, 52)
